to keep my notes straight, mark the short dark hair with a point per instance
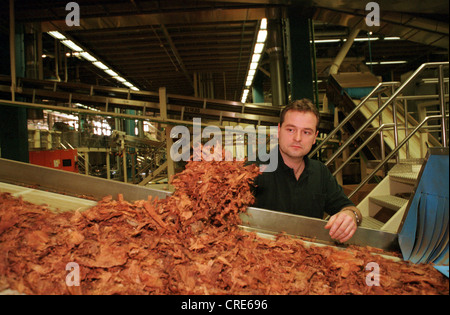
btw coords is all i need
(303, 105)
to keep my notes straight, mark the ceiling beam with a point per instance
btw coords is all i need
(188, 18)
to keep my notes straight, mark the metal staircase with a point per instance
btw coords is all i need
(383, 208)
(375, 122)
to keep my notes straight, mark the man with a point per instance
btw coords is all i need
(300, 185)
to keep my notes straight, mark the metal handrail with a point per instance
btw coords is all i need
(393, 152)
(386, 104)
(352, 113)
(362, 146)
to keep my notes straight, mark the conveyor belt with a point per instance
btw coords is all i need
(72, 184)
(54, 201)
(259, 220)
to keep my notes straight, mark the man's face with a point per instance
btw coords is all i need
(297, 134)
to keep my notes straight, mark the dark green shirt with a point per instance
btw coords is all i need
(315, 192)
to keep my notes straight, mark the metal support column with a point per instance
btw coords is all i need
(301, 72)
(13, 120)
(258, 88)
(276, 58)
(442, 106)
(169, 140)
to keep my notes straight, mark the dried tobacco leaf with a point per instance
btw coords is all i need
(188, 243)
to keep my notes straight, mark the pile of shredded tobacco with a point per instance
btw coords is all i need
(187, 243)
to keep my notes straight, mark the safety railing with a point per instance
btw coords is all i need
(393, 152)
(391, 100)
(380, 88)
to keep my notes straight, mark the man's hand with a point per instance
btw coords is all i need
(342, 226)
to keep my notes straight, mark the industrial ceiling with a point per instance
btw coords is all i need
(183, 44)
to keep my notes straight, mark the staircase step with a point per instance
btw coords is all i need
(371, 223)
(406, 178)
(388, 201)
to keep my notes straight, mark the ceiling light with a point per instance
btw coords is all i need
(134, 88)
(392, 38)
(120, 79)
(337, 40)
(251, 72)
(253, 66)
(111, 73)
(263, 25)
(395, 62)
(244, 95)
(259, 48)
(365, 39)
(72, 45)
(128, 84)
(255, 57)
(318, 41)
(88, 56)
(262, 34)
(57, 35)
(100, 65)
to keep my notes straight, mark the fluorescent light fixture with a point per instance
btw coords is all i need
(392, 38)
(259, 48)
(128, 84)
(318, 41)
(257, 51)
(88, 56)
(120, 79)
(244, 95)
(72, 45)
(262, 35)
(337, 40)
(100, 65)
(395, 62)
(134, 88)
(255, 57)
(57, 35)
(365, 39)
(263, 25)
(112, 73)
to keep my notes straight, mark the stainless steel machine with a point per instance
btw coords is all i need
(62, 190)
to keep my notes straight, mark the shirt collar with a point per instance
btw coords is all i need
(284, 167)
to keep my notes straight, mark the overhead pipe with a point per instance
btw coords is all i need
(344, 49)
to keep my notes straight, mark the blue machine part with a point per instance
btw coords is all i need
(424, 235)
(359, 92)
